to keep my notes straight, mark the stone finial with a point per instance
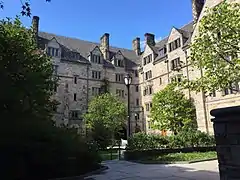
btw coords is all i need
(104, 45)
(150, 39)
(197, 6)
(136, 46)
(35, 26)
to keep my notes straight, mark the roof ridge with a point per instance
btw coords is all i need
(181, 28)
(68, 37)
(186, 24)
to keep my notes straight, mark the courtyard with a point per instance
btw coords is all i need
(124, 170)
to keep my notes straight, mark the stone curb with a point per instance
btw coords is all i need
(210, 159)
(81, 177)
(175, 162)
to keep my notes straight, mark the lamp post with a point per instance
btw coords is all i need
(128, 81)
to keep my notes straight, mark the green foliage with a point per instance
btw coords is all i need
(106, 115)
(31, 147)
(191, 139)
(176, 157)
(172, 111)
(26, 8)
(216, 49)
(45, 150)
(142, 141)
(100, 134)
(26, 74)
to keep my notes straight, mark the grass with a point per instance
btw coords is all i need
(106, 155)
(181, 157)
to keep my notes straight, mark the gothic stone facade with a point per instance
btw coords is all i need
(167, 61)
(83, 67)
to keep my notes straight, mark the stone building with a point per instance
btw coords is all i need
(167, 61)
(84, 68)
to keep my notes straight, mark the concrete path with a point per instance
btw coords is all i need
(123, 170)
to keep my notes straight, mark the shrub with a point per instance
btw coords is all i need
(189, 138)
(143, 141)
(45, 152)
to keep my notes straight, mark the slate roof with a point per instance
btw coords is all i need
(186, 31)
(85, 47)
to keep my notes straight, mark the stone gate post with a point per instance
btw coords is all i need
(227, 134)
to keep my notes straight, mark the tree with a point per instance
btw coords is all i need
(172, 111)
(30, 143)
(27, 75)
(215, 50)
(105, 113)
(26, 9)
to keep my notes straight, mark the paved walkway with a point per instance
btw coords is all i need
(123, 170)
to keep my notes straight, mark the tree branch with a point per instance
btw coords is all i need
(230, 62)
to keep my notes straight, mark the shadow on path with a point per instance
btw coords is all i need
(119, 170)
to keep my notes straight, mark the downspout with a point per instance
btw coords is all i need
(204, 107)
(168, 71)
(87, 97)
(87, 85)
(189, 92)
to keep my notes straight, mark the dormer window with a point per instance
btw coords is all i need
(174, 45)
(119, 63)
(54, 52)
(74, 55)
(96, 59)
(162, 52)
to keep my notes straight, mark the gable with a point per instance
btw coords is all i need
(119, 55)
(147, 50)
(53, 43)
(96, 51)
(174, 34)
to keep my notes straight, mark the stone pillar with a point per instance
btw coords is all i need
(227, 134)
(104, 46)
(150, 39)
(35, 26)
(136, 46)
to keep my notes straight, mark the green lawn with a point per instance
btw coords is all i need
(106, 155)
(177, 157)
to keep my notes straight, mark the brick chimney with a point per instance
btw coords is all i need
(150, 39)
(104, 45)
(136, 46)
(35, 26)
(197, 6)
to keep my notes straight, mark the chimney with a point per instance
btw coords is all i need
(150, 39)
(197, 6)
(104, 46)
(136, 46)
(35, 26)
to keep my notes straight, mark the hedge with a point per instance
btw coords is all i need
(45, 152)
(142, 141)
(142, 154)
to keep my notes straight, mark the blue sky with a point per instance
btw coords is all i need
(89, 19)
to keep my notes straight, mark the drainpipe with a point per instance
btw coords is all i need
(168, 71)
(189, 92)
(204, 107)
(87, 85)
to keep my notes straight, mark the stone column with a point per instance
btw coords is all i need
(227, 134)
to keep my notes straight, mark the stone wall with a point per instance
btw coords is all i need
(227, 135)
